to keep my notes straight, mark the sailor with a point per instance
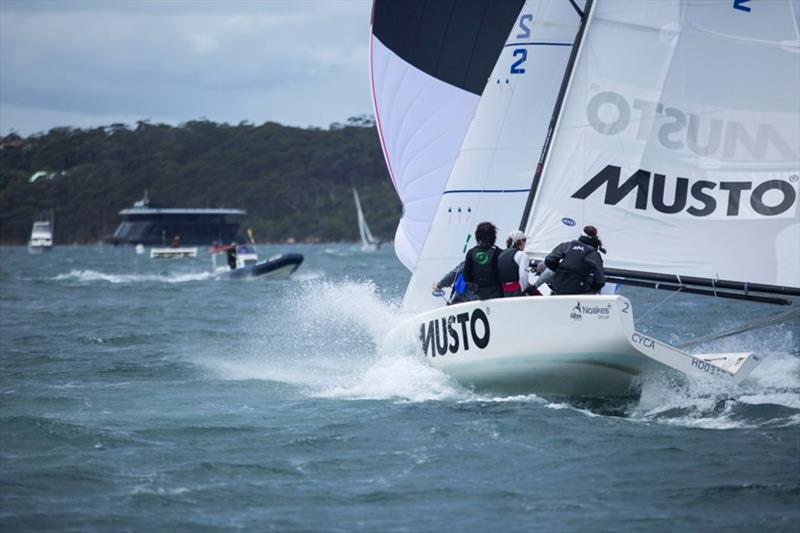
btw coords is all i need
(480, 263)
(577, 265)
(460, 290)
(513, 264)
(544, 275)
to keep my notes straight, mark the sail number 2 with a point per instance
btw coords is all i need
(521, 53)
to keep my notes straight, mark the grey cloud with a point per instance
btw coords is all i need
(184, 60)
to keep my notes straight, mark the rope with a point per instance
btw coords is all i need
(662, 302)
(769, 320)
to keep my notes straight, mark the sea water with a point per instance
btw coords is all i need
(141, 394)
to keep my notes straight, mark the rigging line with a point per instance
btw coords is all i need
(581, 14)
(565, 81)
(665, 300)
(769, 320)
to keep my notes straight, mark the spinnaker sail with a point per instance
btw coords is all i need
(429, 61)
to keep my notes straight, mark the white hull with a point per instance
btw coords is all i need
(172, 253)
(580, 346)
(39, 248)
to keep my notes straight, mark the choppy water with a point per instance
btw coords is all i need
(139, 394)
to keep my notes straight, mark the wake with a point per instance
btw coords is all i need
(333, 348)
(88, 276)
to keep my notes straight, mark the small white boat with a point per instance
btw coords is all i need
(173, 253)
(368, 241)
(41, 236)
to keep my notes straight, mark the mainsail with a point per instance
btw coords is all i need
(679, 138)
(491, 177)
(429, 61)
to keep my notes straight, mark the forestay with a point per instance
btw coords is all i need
(679, 140)
(429, 61)
(492, 174)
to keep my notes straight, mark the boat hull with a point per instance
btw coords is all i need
(277, 267)
(577, 346)
(37, 249)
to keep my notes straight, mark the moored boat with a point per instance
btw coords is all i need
(41, 235)
(173, 253)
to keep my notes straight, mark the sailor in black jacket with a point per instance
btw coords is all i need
(480, 264)
(577, 265)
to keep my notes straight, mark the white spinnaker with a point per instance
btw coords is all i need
(690, 94)
(421, 122)
(492, 174)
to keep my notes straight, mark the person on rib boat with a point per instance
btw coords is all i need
(513, 264)
(577, 265)
(480, 264)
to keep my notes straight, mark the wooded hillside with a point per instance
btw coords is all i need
(293, 182)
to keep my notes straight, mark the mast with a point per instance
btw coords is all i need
(537, 176)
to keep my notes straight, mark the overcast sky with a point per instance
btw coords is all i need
(96, 62)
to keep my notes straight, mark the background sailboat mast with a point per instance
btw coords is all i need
(537, 176)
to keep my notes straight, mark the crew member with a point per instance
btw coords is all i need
(513, 264)
(480, 264)
(460, 290)
(577, 265)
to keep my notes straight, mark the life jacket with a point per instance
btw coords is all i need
(484, 266)
(507, 268)
(572, 276)
(484, 272)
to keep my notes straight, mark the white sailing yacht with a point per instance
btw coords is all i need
(368, 241)
(672, 126)
(41, 235)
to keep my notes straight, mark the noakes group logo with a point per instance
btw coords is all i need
(591, 311)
